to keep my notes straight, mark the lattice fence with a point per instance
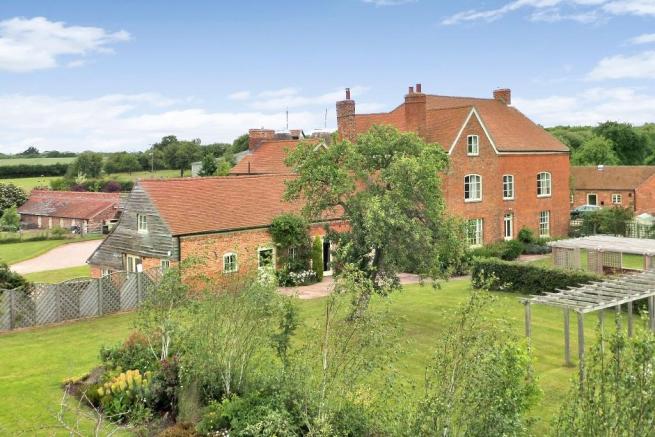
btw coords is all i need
(43, 304)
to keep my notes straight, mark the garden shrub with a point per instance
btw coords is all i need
(123, 397)
(499, 275)
(57, 233)
(134, 353)
(10, 279)
(526, 235)
(507, 250)
(32, 170)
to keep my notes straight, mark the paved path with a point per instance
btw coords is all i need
(64, 256)
(324, 288)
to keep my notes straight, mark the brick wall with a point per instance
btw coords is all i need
(604, 197)
(645, 196)
(526, 206)
(209, 249)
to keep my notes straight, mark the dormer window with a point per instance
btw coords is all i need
(473, 146)
(142, 223)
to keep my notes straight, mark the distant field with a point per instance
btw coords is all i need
(29, 183)
(35, 161)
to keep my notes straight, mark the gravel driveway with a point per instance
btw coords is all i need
(64, 256)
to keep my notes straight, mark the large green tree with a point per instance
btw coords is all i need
(11, 196)
(88, 164)
(596, 150)
(630, 145)
(387, 186)
(122, 162)
(181, 154)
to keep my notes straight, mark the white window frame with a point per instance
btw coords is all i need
(473, 145)
(142, 223)
(104, 272)
(547, 189)
(592, 194)
(478, 239)
(467, 181)
(225, 264)
(508, 219)
(617, 198)
(165, 264)
(508, 183)
(259, 259)
(132, 262)
(544, 223)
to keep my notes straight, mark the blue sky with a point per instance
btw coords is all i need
(110, 75)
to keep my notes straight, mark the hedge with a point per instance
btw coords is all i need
(498, 275)
(32, 170)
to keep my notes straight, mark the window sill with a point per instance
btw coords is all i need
(508, 198)
(541, 196)
(472, 154)
(472, 200)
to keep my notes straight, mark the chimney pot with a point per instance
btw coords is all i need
(347, 93)
(411, 90)
(418, 87)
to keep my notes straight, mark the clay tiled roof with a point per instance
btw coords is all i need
(214, 204)
(509, 129)
(69, 204)
(617, 177)
(267, 159)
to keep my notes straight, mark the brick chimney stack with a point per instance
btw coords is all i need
(415, 106)
(503, 95)
(346, 118)
(258, 136)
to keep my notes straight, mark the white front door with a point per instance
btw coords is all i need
(508, 226)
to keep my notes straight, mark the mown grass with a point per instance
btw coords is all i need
(630, 261)
(28, 184)
(12, 253)
(59, 275)
(35, 362)
(35, 161)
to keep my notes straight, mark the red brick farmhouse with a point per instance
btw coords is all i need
(506, 172)
(50, 209)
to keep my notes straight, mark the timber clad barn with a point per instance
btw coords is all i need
(506, 172)
(223, 221)
(50, 209)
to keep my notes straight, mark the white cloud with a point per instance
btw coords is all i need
(130, 121)
(239, 95)
(590, 107)
(291, 97)
(583, 11)
(630, 7)
(37, 43)
(646, 38)
(639, 66)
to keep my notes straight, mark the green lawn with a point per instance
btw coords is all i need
(59, 275)
(629, 261)
(35, 161)
(13, 253)
(29, 183)
(39, 359)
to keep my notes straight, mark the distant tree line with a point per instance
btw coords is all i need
(33, 152)
(609, 143)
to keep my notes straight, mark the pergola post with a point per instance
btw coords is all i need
(651, 313)
(629, 319)
(601, 323)
(581, 344)
(567, 337)
(576, 257)
(528, 321)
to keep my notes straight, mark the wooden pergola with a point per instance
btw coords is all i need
(596, 296)
(603, 251)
